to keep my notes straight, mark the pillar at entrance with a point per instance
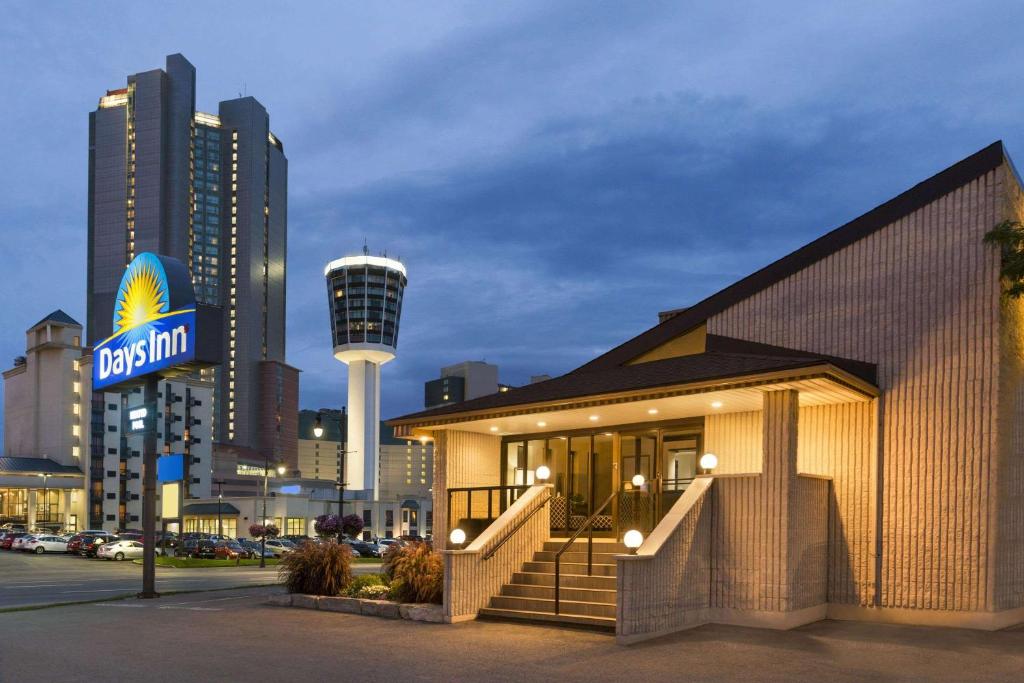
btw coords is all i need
(31, 521)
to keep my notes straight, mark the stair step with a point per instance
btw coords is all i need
(567, 580)
(571, 620)
(524, 590)
(572, 556)
(600, 546)
(577, 568)
(547, 605)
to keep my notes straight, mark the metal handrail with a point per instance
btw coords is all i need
(468, 490)
(490, 553)
(589, 526)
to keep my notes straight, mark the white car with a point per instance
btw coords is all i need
(45, 544)
(20, 541)
(280, 546)
(120, 550)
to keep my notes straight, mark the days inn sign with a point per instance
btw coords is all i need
(155, 317)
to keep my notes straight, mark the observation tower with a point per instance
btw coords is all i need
(365, 299)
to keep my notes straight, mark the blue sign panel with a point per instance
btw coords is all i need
(154, 322)
(170, 467)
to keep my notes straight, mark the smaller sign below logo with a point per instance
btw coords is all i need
(137, 419)
(170, 467)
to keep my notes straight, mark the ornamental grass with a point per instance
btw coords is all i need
(415, 572)
(317, 569)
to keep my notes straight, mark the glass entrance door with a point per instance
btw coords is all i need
(636, 500)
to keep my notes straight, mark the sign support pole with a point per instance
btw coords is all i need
(149, 456)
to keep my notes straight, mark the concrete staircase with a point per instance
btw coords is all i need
(586, 601)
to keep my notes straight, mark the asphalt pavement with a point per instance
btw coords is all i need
(28, 580)
(235, 636)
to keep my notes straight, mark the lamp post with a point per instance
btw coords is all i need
(263, 538)
(45, 514)
(220, 501)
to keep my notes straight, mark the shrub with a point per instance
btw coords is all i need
(416, 573)
(317, 569)
(364, 581)
(378, 592)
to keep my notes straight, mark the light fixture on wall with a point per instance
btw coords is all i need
(638, 480)
(457, 536)
(542, 424)
(543, 473)
(652, 411)
(633, 539)
(716, 404)
(494, 429)
(593, 418)
(708, 462)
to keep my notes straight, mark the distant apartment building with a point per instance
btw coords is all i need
(211, 191)
(52, 419)
(462, 382)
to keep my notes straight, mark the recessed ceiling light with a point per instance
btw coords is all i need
(494, 429)
(593, 418)
(542, 424)
(652, 411)
(716, 404)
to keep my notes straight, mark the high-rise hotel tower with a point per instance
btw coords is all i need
(210, 190)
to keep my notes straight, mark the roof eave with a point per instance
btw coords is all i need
(406, 424)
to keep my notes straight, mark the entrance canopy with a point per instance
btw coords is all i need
(670, 389)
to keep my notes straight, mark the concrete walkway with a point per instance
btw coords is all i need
(214, 637)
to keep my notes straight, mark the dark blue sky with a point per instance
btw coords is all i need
(552, 174)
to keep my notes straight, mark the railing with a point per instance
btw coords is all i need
(493, 499)
(589, 527)
(668, 492)
(490, 553)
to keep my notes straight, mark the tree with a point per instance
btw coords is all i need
(1009, 236)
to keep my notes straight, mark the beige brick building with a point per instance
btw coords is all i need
(864, 402)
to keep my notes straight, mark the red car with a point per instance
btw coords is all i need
(8, 539)
(75, 544)
(229, 550)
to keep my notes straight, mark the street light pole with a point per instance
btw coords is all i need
(220, 500)
(263, 538)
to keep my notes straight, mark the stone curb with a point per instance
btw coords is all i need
(375, 608)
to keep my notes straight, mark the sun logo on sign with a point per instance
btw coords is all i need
(143, 296)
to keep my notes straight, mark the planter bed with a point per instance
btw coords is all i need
(375, 608)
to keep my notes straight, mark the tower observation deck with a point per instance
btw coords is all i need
(365, 301)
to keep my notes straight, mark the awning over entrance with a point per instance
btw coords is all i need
(204, 509)
(732, 379)
(410, 504)
(35, 466)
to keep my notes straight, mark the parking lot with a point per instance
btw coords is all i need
(27, 579)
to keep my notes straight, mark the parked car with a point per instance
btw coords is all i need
(19, 541)
(280, 546)
(363, 549)
(167, 546)
(230, 550)
(254, 548)
(75, 543)
(126, 549)
(45, 544)
(6, 539)
(202, 548)
(91, 544)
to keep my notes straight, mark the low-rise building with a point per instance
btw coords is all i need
(72, 441)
